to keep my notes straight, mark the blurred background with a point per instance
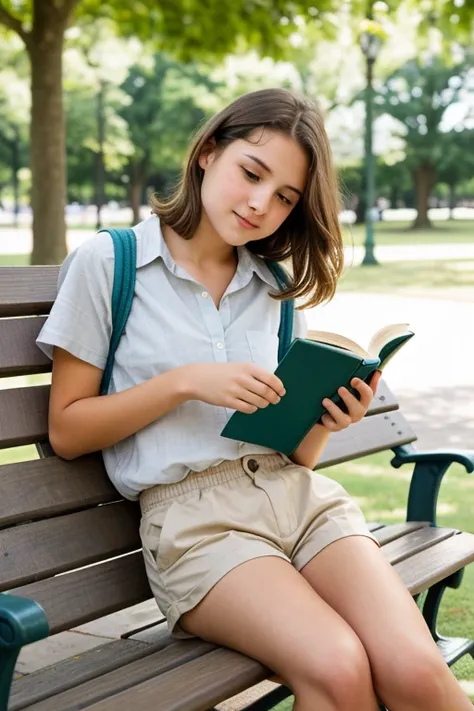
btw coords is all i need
(98, 101)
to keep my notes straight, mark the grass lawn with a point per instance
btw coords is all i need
(400, 233)
(411, 278)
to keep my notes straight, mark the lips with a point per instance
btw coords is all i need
(244, 222)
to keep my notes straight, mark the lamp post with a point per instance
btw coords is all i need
(370, 44)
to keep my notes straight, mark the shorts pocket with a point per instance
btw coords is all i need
(167, 531)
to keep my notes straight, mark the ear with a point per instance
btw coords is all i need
(207, 155)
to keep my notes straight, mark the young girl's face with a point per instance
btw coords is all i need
(251, 187)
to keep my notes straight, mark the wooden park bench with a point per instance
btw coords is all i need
(70, 543)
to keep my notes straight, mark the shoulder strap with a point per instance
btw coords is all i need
(285, 332)
(125, 260)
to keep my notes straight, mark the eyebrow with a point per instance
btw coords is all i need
(265, 167)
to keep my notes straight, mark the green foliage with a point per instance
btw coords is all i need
(418, 95)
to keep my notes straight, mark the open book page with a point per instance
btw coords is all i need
(334, 339)
(387, 334)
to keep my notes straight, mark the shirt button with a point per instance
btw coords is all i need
(220, 346)
(253, 465)
(205, 294)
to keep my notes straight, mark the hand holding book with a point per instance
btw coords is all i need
(312, 370)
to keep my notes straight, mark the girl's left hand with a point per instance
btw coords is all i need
(336, 419)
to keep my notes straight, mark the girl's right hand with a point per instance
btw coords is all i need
(237, 386)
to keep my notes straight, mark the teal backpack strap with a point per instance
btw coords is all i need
(125, 261)
(285, 332)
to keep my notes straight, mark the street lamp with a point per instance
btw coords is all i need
(370, 44)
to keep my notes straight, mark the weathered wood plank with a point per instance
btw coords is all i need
(23, 415)
(27, 291)
(372, 434)
(197, 686)
(67, 674)
(151, 666)
(437, 563)
(415, 542)
(19, 354)
(87, 594)
(396, 530)
(38, 550)
(48, 487)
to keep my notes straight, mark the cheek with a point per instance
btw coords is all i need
(222, 187)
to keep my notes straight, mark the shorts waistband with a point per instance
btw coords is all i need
(212, 476)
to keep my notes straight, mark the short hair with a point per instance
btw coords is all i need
(310, 236)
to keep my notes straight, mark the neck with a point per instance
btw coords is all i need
(205, 248)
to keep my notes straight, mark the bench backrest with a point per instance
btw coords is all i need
(67, 538)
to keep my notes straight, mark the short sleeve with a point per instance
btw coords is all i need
(80, 321)
(300, 326)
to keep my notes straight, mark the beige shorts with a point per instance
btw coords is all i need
(196, 531)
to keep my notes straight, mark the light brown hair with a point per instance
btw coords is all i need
(310, 236)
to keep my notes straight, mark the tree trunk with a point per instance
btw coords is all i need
(15, 180)
(138, 172)
(452, 201)
(47, 135)
(424, 179)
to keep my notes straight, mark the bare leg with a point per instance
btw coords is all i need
(265, 609)
(354, 578)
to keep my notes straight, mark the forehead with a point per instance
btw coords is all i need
(284, 156)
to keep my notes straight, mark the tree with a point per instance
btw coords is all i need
(187, 28)
(419, 95)
(162, 112)
(457, 162)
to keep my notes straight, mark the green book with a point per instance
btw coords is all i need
(312, 370)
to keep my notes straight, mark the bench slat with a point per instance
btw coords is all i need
(27, 291)
(48, 487)
(23, 416)
(415, 542)
(197, 686)
(396, 531)
(38, 550)
(111, 586)
(436, 563)
(19, 354)
(372, 434)
(32, 688)
(150, 666)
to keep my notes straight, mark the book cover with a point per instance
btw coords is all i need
(310, 371)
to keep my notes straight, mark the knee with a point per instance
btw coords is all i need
(416, 679)
(343, 677)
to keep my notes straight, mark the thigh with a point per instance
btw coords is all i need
(353, 576)
(265, 609)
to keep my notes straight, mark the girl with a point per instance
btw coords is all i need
(236, 536)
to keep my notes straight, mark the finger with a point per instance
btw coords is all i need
(247, 395)
(262, 390)
(340, 418)
(375, 380)
(365, 391)
(242, 406)
(329, 423)
(269, 379)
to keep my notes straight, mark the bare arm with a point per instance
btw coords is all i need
(82, 421)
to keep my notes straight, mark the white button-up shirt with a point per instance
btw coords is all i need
(173, 322)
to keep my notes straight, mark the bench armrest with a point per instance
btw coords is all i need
(430, 468)
(22, 621)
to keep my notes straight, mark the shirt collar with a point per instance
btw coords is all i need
(151, 245)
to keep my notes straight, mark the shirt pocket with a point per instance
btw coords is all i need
(263, 348)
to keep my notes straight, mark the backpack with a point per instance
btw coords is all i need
(125, 251)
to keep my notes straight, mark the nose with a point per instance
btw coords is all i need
(259, 200)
